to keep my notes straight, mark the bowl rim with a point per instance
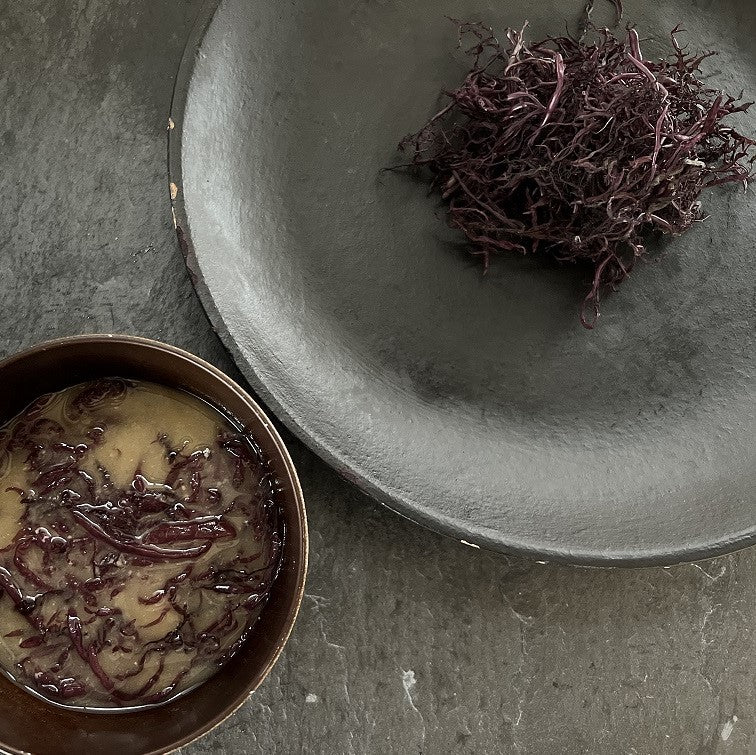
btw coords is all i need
(302, 558)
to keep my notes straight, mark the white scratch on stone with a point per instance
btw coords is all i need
(514, 723)
(711, 577)
(325, 638)
(519, 714)
(726, 732)
(471, 545)
(317, 600)
(525, 620)
(310, 699)
(707, 616)
(408, 682)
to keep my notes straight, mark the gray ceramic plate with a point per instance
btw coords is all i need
(477, 406)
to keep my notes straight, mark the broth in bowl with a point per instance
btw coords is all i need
(140, 535)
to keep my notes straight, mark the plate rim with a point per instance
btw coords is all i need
(475, 537)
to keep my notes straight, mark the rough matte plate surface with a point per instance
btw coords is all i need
(477, 406)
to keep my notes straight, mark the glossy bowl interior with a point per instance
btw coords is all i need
(28, 725)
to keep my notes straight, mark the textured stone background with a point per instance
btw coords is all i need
(406, 642)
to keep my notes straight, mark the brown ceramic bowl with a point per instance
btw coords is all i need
(28, 725)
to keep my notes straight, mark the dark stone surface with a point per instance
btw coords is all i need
(406, 642)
